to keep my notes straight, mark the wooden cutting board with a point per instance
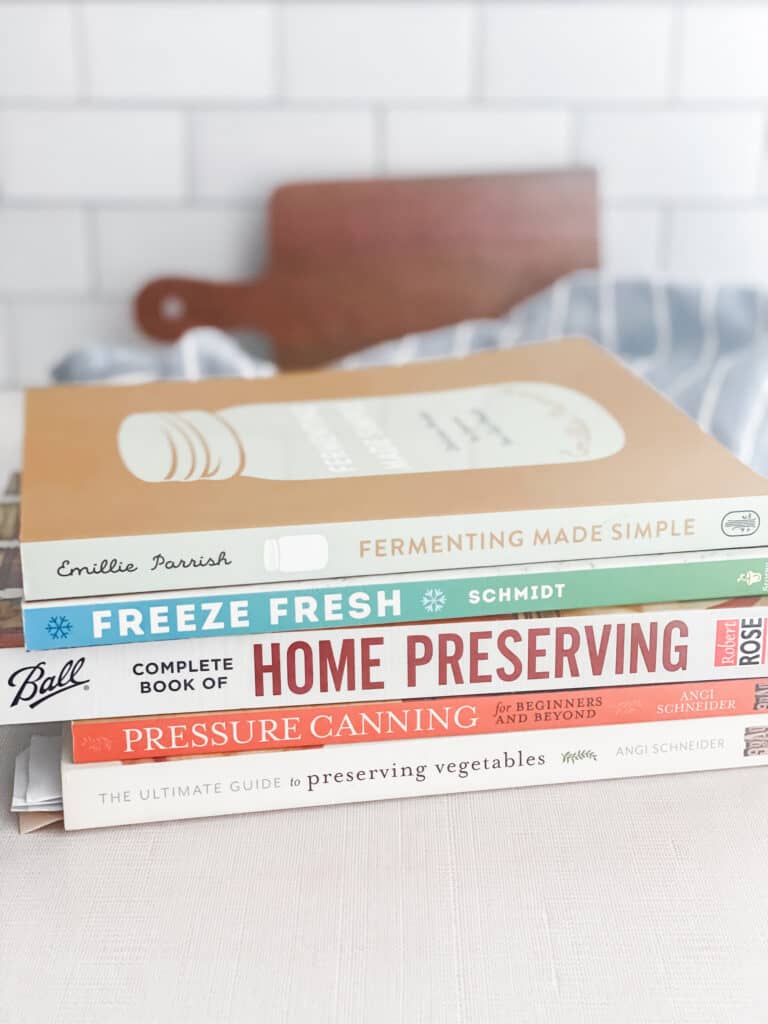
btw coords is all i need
(356, 262)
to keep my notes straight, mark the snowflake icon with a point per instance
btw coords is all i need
(433, 600)
(59, 627)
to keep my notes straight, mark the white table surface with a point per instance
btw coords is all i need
(642, 901)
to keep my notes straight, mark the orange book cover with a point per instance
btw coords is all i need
(545, 452)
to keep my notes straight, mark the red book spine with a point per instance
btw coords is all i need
(123, 739)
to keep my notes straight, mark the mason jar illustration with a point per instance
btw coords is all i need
(484, 427)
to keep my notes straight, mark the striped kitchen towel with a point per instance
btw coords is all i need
(705, 347)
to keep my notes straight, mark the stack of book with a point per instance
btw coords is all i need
(518, 568)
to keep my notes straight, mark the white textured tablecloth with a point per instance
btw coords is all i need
(643, 901)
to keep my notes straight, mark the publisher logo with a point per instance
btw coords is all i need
(742, 523)
(34, 684)
(756, 742)
(740, 642)
(750, 578)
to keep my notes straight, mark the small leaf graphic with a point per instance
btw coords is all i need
(570, 756)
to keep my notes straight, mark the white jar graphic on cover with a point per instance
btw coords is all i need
(485, 427)
(491, 426)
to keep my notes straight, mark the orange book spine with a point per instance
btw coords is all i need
(124, 739)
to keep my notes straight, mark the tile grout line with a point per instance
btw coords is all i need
(80, 48)
(664, 239)
(575, 135)
(478, 43)
(675, 57)
(189, 171)
(381, 156)
(92, 252)
(14, 367)
(278, 54)
(627, 105)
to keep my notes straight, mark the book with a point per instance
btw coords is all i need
(406, 597)
(547, 452)
(537, 651)
(132, 739)
(128, 792)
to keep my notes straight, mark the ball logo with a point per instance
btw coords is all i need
(742, 523)
(740, 642)
(35, 684)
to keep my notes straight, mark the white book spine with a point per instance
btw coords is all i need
(388, 663)
(117, 793)
(109, 565)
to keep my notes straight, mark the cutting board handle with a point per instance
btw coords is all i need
(354, 263)
(168, 306)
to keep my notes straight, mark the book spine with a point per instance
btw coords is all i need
(107, 565)
(119, 793)
(625, 647)
(653, 579)
(134, 739)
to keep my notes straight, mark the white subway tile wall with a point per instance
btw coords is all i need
(45, 331)
(423, 141)
(243, 155)
(164, 52)
(675, 154)
(37, 52)
(724, 51)
(602, 52)
(630, 240)
(43, 251)
(7, 368)
(92, 154)
(133, 245)
(144, 138)
(377, 51)
(712, 242)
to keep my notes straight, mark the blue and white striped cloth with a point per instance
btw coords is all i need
(706, 348)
